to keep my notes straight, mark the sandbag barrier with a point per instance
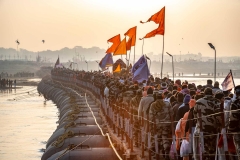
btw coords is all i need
(76, 136)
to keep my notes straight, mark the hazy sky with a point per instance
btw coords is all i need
(190, 24)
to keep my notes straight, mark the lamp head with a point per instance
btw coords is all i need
(147, 57)
(210, 44)
(169, 54)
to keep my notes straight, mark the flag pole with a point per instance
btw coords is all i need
(126, 60)
(126, 57)
(142, 46)
(162, 57)
(232, 78)
(129, 57)
(163, 45)
(134, 56)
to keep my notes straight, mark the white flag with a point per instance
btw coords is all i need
(228, 84)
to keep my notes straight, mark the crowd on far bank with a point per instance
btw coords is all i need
(4, 83)
(18, 74)
(180, 108)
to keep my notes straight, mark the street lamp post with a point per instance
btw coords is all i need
(98, 64)
(172, 64)
(149, 60)
(87, 65)
(210, 44)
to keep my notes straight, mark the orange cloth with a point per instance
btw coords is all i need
(129, 42)
(181, 132)
(131, 33)
(121, 48)
(118, 69)
(192, 103)
(116, 41)
(155, 32)
(157, 17)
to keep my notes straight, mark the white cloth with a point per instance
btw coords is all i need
(106, 92)
(227, 105)
(121, 81)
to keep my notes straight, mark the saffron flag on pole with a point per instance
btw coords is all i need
(119, 62)
(131, 33)
(106, 61)
(140, 61)
(228, 83)
(157, 17)
(118, 69)
(116, 41)
(128, 45)
(153, 33)
(142, 73)
(121, 49)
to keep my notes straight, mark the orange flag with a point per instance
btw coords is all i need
(158, 18)
(129, 44)
(116, 41)
(121, 48)
(131, 33)
(153, 33)
(118, 69)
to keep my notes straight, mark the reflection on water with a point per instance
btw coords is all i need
(26, 123)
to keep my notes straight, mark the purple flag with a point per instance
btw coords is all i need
(106, 61)
(139, 63)
(142, 72)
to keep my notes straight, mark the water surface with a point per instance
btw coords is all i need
(27, 121)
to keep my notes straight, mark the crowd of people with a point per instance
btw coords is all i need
(23, 74)
(18, 74)
(7, 83)
(178, 108)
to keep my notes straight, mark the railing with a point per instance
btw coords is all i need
(130, 128)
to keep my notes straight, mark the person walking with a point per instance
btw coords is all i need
(14, 83)
(209, 123)
(134, 105)
(160, 112)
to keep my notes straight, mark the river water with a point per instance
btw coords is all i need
(27, 121)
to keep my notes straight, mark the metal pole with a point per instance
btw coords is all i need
(173, 68)
(162, 57)
(134, 56)
(129, 58)
(215, 67)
